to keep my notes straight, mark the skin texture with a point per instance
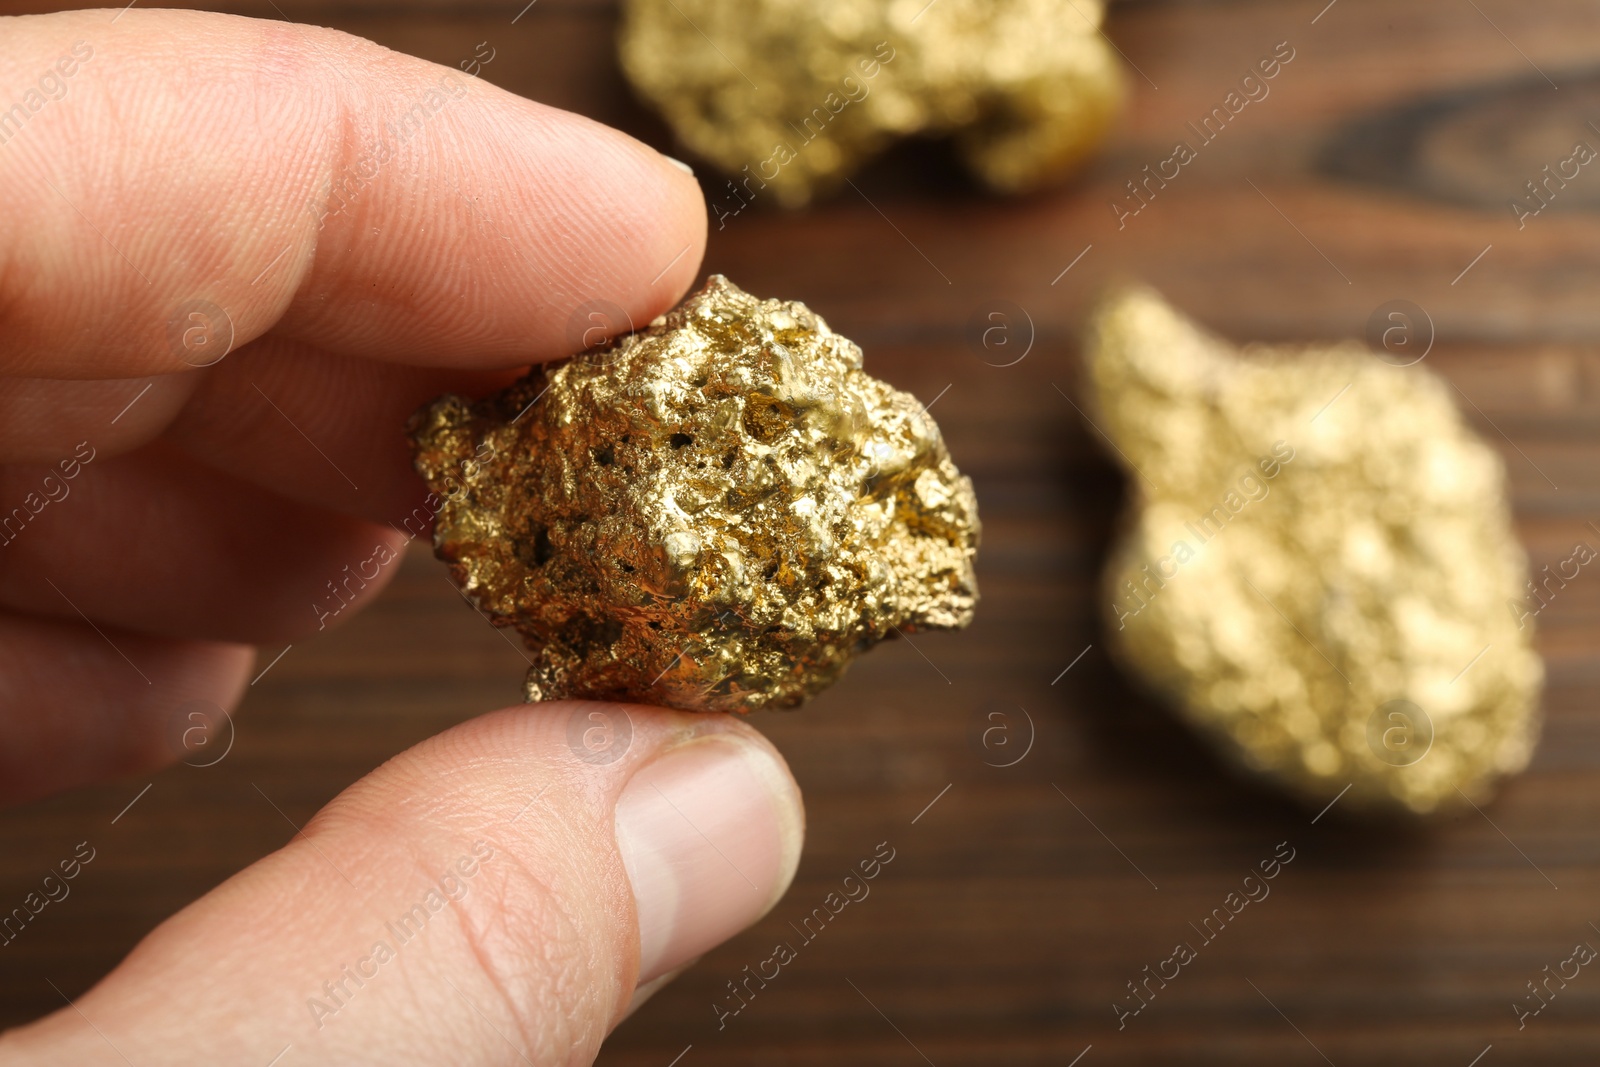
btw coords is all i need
(192, 157)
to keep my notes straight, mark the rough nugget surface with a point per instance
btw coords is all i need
(796, 94)
(1318, 565)
(717, 513)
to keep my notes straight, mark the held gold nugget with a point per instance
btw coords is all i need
(795, 96)
(717, 513)
(1318, 564)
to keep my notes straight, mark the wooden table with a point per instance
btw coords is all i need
(1022, 899)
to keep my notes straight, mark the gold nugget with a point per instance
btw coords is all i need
(1318, 562)
(796, 96)
(717, 513)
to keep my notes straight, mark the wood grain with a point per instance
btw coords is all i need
(1020, 903)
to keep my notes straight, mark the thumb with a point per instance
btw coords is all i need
(495, 895)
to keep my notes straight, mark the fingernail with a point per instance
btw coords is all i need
(710, 834)
(680, 164)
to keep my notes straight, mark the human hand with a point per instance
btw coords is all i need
(355, 231)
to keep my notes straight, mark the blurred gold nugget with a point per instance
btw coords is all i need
(796, 94)
(1318, 562)
(717, 513)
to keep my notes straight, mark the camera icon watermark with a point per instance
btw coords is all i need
(1400, 332)
(599, 733)
(200, 333)
(199, 733)
(1001, 333)
(1399, 733)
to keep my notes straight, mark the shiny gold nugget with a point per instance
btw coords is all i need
(796, 96)
(717, 513)
(1318, 563)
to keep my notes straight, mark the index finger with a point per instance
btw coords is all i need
(261, 176)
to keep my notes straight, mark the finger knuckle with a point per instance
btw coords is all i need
(537, 957)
